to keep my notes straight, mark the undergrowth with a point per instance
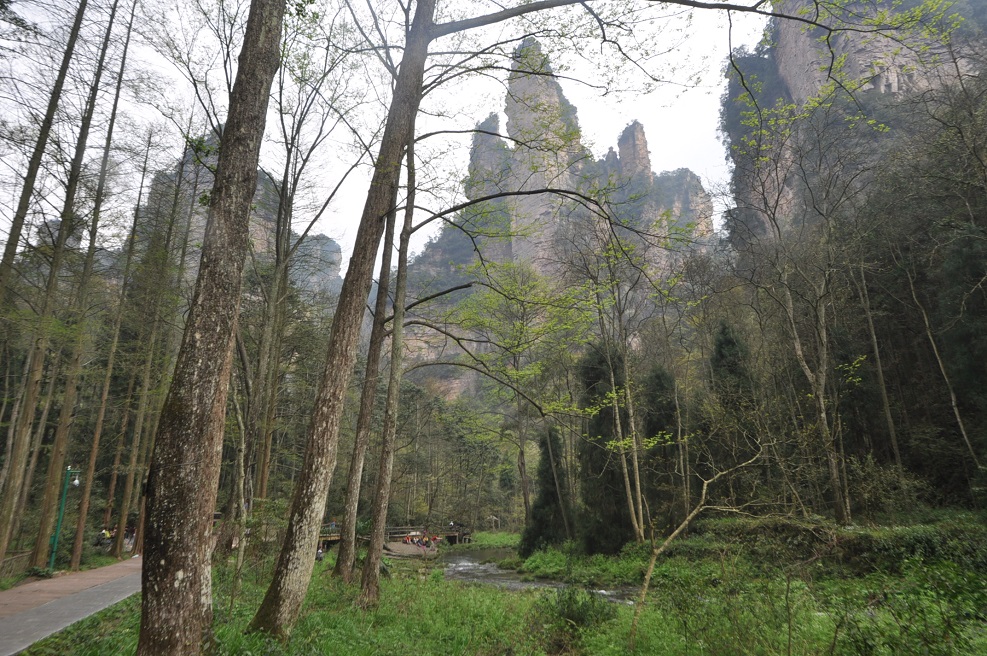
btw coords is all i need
(752, 587)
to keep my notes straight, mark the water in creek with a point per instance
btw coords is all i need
(479, 566)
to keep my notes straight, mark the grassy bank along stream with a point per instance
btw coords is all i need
(733, 586)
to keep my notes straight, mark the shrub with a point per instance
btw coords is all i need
(560, 617)
(41, 572)
(927, 611)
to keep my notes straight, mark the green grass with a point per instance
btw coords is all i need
(491, 540)
(729, 600)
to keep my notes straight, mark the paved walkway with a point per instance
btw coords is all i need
(38, 609)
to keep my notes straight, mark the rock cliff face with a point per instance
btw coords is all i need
(543, 151)
(175, 214)
(880, 64)
(523, 185)
(796, 65)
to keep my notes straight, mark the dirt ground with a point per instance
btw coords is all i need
(409, 550)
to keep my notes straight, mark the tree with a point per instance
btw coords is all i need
(34, 165)
(346, 557)
(550, 510)
(176, 608)
(283, 600)
(60, 444)
(370, 585)
(606, 523)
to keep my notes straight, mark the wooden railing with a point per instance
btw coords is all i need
(454, 534)
(14, 565)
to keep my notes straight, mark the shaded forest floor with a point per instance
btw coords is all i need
(733, 586)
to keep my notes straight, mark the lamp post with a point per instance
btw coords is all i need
(61, 511)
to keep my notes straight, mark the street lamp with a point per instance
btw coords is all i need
(61, 511)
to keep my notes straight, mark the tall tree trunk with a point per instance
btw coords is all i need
(39, 434)
(9, 441)
(176, 606)
(817, 378)
(118, 455)
(346, 558)
(56, 463)
(56, 460)
(90, 473)
(34, 164)
(279, 610)
(140, 421)
(370, 584)
(632, 493)
(265, 376)
(942, 370)
(882, 386)
(34, 368)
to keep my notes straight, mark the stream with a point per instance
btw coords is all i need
(479, 566)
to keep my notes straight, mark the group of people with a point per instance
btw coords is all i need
(422, 541)
(106, 537)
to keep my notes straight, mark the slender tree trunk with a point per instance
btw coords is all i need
(9, 441)
(240, 506)
(370, 592)
(882, 386)
(346, 558)
(118, 456)
(34, 368)
(36, 442)
(34, 164)
(176, 606)
(817, 381)
(265, 381)
(631, 417)
(942, 369)
(631, 492)
(522, 470)
(559, 491)
(140, 422)
(279, 610)
(683, 454)
(56, 463)
(90, 473)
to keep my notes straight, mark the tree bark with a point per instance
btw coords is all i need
(370, 592)
(282, 603)
(176, 606)
(346, 558)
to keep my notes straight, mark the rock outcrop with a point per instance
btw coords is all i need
(532, 218)
(885, 62)
(800, 66)
(174, 216)
(538, 192)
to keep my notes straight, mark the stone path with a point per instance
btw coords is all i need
(38, 609)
